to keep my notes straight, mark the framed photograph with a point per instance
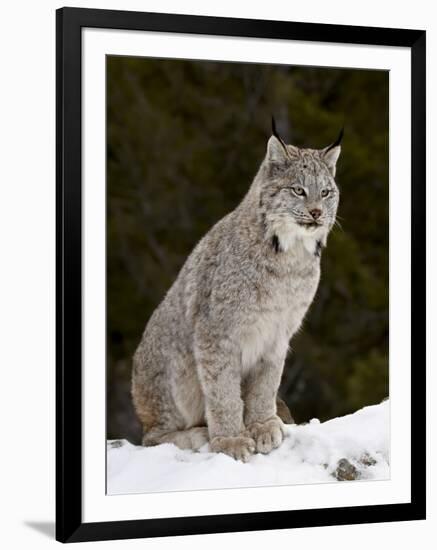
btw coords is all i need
(240, 275)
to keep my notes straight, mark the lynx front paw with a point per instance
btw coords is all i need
(267, 435)
(240, 447)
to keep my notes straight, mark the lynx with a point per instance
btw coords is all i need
(210, 361)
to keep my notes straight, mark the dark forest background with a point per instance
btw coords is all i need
(184, 140)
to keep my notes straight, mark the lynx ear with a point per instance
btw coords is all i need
(276, 148)
(331, 153)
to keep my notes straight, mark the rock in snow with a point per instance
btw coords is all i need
(353, 447)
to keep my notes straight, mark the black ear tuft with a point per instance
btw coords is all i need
(337, 141)
(276, 135)
(274, 131)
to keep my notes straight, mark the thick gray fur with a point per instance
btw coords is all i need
(210, 361)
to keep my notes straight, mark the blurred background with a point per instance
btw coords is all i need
(184, 140)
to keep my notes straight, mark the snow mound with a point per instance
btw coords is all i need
(353, 447)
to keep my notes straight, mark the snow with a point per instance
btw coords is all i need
(352, 447)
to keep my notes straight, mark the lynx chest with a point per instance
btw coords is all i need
(281, 305)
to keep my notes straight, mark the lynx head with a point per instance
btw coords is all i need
(298, 194)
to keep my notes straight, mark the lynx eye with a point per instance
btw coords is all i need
(325, 193)
(298, 190)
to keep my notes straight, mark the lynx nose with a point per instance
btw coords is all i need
(316, 213)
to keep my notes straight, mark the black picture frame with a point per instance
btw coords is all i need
(69, 23)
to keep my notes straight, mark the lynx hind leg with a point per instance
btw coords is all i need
(191, 438)
(161, 426)
(283, 411)
(160, 423)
